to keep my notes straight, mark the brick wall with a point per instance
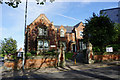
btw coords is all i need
(32, 63)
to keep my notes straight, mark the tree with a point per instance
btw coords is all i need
(15, 3)
(8, 46)
(117, 31)
(99, 30)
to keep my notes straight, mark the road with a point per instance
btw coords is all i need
(103, 73)
(1, 64)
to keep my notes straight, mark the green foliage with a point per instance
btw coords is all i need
(116, 47)
(1, 55)
(117, 32)
(9, 46)
(15, 3)
(33, 52)
(98, 53)
(99, 30)
(69, 55)
(96, 49)
(28, 54)
(51, 52)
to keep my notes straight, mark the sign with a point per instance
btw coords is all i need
(19, 54)
(109, 49)
(53, 46)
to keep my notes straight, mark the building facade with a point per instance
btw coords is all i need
(113, 14)
(42, 35)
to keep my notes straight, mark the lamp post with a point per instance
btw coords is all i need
(24, 33)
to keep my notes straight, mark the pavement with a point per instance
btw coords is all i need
(57, 71)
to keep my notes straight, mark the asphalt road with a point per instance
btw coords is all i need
(104, 73)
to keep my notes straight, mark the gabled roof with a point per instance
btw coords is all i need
(77, 24)
(110, 9)
(68, 28)
(40, 17)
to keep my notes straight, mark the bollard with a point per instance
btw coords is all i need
(75, 61)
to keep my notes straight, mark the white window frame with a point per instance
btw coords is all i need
(40, 31)
(62, 33)
(46, 44)
(40, 44)
(81, 33)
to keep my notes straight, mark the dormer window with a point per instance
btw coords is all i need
(62, 34)
(81, 33)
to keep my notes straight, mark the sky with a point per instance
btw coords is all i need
(59, 12)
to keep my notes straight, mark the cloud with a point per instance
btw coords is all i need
(69, 17)
(35, 10)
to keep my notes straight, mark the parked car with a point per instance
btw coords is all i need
(1, 59)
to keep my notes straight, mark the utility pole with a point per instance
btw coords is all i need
(24, 34)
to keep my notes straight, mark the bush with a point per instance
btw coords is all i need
(107, 53)
(51, 52)
(116, 47)
(33, 52)
(1, 55)
(98, 53)
(69, 55)
(96, 49)
(28, 54)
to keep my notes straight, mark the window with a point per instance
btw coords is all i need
(62, 32)
(42, 31)
(81, 33)
(45, 31)
(45, 44)
(40, 44)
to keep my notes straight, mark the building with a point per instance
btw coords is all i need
(42, 35)
(112, 13)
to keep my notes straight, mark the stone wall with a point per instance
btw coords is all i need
(31, 63)
(106, 57)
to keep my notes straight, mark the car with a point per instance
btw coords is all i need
(1, 59)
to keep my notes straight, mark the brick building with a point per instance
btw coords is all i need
(42, 35)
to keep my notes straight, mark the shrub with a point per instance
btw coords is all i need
(69, 55)
(28, 54)
(33, 52)
(116, 47)
(1, 55)
(96, 49)
(97, 53)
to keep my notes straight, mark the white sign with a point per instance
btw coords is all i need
(109, 49)
(19, 54)
(53, 46)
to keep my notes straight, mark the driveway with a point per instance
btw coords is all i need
(97, 71)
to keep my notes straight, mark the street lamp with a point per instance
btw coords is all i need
(24, 33)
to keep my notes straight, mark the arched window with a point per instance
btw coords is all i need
(62, 33)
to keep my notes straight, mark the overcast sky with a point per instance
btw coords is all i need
(61, 13)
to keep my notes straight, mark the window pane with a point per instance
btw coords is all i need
(40, 44)
(45, 44)
(81, 33)
(62, 33)
(40, 31)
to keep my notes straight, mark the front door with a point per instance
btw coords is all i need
(73, 47)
